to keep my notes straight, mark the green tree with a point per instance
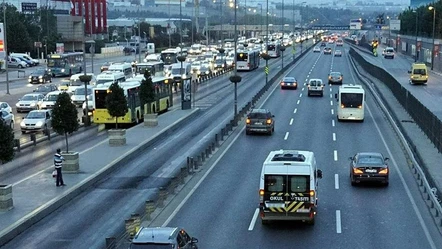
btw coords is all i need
(64, 117)
(147, 91)
(116, 103)
(6, 143)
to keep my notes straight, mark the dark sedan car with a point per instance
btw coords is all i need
(289, 82)
(260, 120)
(335, 78)
(369, 167)
(45, 89)
(39, 76)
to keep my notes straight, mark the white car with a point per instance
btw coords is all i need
(5, 107)
(316, 50)
(49, 100)
(29, 102)
(37, 120)
(78, 97)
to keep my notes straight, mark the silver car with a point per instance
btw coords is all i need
(37, 120)
(78, 98)
(5, 107)
(29, 102)
(7, 118)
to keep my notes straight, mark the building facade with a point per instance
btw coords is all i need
(94, 13)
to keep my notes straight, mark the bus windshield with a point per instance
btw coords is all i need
(100, 99)
(351, 100)
(169, 58)
(271, 47)
(56, 63)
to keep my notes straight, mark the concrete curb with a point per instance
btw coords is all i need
(27, 221)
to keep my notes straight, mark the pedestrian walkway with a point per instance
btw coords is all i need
(36, 196)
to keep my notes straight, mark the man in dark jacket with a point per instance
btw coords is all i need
(58, 163)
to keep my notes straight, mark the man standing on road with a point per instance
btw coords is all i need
(58, 163)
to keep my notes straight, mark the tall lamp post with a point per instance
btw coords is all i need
(260, 18)
(5, 46)
(434, 26)
(235, 78)
(416, 54)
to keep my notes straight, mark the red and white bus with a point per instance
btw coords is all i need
(247, 60)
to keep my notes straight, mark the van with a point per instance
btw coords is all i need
(388, 52)
(177, 74)
(125, 68)
(35, 62)
(418, 73)
(288, 188)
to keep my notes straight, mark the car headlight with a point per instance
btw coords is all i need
(30, 77)
(183, 76)
(22, 124)
(62, 70)
(17, 104)
(32, 104)
(40, 77)
(29, 80)
(39, 124)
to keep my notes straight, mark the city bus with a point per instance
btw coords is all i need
(356, 24)
(65, 64)
(154, 68)
(170, 55)
(274, 50)
(163, 100)
(247, 60)
(351, 102)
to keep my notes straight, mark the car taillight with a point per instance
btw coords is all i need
(360, 106)
(357, 171)
(248, 121)
(340, 77)
(342, 106)
(269, 121)
(261, 196)
(383, 171)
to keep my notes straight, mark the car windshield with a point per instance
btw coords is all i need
(315, 82)
(80, 91)
(51, 97)
(289, 79)
(370, 160)
(43, 89)
(29, 97)
(335, 74)
(36, 115)
(151, 246)
(176, 70)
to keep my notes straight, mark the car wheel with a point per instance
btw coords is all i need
(20, 66)
(12, 125)
(386, 183)
(265, 222)
(311, 222)
(45, 130)
(247, 132)
(23, 132)
(322, 94)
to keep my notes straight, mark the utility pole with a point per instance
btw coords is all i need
(5, 46)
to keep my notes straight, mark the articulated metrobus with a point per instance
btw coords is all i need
(247, 60)
(274, 50)
(65, 64)
(163, 100)
(154, 68)
(351, 102)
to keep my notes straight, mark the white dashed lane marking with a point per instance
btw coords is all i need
(335, 155)
(291, 121)
(294, 111)
(338, 221)
(286, 135)
(334, 136)
(336, 181)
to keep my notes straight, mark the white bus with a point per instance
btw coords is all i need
(274, 50)
(110, 76)
(355, 24)
(351, 102)
(125, 68)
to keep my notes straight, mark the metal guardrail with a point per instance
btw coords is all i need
(429, 193)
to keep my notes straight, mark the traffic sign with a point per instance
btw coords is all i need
(266, 70)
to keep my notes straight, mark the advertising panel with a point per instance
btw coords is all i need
(59, 48)
(2, 40)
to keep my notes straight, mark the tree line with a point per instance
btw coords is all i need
(424, 22)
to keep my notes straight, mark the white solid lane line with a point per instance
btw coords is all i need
(335, 155)
(291, 121)
(286, 135)
(338, 221)
(334, 136)
(254, 218)
(336, 181)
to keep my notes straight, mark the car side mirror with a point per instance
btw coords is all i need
(194, 240)
(409, 71)
(319, 173)
(386, 159)
(273, 116)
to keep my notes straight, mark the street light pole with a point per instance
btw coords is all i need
(434, 26)
(267, 41)
(139, 42)
(416, 55)
(5, 48)
(235, 78)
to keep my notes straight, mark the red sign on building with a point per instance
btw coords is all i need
(94, 13)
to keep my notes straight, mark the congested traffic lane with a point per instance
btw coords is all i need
(98, 212)
(22, 87)
(348, 217)
(428, 94)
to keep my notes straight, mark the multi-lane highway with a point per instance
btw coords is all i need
(222, 211)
